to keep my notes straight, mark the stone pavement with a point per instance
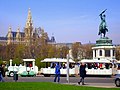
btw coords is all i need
(101, 85)
(92, 82)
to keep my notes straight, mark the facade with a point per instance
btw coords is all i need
(63, 45)
(27, 37)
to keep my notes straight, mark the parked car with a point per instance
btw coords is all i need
(117, 80)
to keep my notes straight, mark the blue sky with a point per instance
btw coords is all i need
(68, 20)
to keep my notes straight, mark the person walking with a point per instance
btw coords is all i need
(57, 72)
(82, 73)
(2, 73)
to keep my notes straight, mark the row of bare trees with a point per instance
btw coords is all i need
(19, 51)
(80, 51)
(44, 50)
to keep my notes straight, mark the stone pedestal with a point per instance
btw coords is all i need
(104, 49)
(104, 41)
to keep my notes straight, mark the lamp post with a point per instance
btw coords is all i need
(68, 79)
(69, 56)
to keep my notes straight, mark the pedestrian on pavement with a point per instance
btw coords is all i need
(57, 72)
(2, 73)
(82, 73)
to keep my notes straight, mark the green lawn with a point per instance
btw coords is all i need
(45, 86)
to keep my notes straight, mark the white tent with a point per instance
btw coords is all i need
(57, 60)
(118, 61)
(95, 61)
(28, 59)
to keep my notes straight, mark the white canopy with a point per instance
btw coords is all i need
(118, 61)
(57, 60)
(95, 61)
(28, 59)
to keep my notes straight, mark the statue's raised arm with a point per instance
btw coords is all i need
(103, 11)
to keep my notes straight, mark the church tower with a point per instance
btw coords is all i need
(9, 36)
(29, 29)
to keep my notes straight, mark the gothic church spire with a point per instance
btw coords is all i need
(29, 28)
(29, 19)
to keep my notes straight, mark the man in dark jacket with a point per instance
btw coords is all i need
(57, 72)
(2, 73)
(82, 73)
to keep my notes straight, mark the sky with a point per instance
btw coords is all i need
(68, 20)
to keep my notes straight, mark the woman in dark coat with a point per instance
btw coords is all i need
(82, 72)
(2, 73)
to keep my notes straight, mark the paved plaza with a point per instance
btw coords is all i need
(107, 82)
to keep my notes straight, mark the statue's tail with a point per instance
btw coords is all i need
(106, 29)
(99, 33)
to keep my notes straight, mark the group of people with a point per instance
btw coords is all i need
(98, 65)
(62, 65)
(2, 72)
(82, 73)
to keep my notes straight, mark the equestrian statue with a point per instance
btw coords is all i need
(102, 27)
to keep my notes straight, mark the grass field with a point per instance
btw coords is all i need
(45, 86)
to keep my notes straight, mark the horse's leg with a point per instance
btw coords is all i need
(104, 34)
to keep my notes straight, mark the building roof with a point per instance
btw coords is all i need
(3, 38)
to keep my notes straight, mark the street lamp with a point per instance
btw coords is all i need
(69, 56)
(68, 79)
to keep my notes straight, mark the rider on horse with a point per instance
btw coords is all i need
(102, 27)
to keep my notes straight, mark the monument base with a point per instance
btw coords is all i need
(104, 41)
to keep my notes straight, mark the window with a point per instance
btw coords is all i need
(113, 52)
(100, 53)
(95, 53)
(107, 53)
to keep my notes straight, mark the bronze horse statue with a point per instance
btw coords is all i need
(102, 28)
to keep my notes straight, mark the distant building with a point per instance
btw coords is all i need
(63, 45)
(27, 37)
(3, 40)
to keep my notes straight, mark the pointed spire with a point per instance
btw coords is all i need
(18, 36)
(29, 28)
(53, 38)
(18, 30)
(9, 35)
(29, 19)
(9, 30)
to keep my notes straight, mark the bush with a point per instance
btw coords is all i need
(16, 61)
(39, 63)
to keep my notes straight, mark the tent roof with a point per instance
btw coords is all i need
(28, 59)
(57, 60)
(118, 61)
(95, 61)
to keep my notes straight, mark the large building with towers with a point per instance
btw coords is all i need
(29, 35)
